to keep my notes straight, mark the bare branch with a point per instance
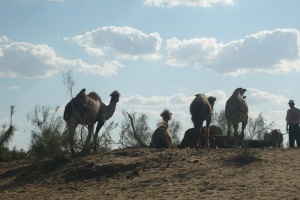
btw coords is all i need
(139, 140)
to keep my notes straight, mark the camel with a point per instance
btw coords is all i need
(276, 137)
(201, 110)
(236, 111)
(191, 137)
(87, 109)
(162, 137)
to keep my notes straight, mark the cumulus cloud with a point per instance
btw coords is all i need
(192, 3)
(266, 51)
(21, 59)
(258, 97)
(120, 43)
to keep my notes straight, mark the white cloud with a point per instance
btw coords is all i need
(266, 51)
(4, 39)
(196, 51)
(120, 43)
(20, 59)
(258, 97)
(13, 87)
(192, 3)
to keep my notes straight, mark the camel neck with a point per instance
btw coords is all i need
(110, 110)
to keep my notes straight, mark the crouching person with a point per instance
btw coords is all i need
(162, 137)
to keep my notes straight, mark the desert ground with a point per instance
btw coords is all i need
(147, 173)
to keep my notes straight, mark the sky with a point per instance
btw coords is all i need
(157, 53)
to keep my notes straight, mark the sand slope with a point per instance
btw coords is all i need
(144, 173)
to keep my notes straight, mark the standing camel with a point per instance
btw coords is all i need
(236, 111)
(201, 110)
(162, 137)
(87, 109)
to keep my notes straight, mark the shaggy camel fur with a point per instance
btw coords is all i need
(191, 136)
(201, 110)
(236, 111)
(87, 109)
(162, 137)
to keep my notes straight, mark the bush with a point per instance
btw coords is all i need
(246, 156)
(48, 139)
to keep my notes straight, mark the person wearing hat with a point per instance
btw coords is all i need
(292, 124)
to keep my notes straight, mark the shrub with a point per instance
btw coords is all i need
(246, 156)
(48, 139)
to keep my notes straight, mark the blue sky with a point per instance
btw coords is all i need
(157, 53)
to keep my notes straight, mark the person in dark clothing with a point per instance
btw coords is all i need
(292, 124)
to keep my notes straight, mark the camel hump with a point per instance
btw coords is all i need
(95, 96)
(81, 94)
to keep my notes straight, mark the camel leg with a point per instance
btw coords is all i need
(242, 133)
(207, 133)
(228, 128)
(99, 126)
(88, 139)
(235, 133)
(198, 127)
(71, 128)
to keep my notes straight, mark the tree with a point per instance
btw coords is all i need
(257, 127)
(68, 81)
(219, 120)
(134, 130)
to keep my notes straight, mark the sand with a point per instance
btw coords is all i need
(145, 173)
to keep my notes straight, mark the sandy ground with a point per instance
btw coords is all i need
(145, 173)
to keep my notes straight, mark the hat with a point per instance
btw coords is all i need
(291, 102)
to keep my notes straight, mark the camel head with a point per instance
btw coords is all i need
(115, 96)
(166, 115)
(238, 91)
(212, 100)
(243, 92)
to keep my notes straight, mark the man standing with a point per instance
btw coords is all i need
(292, 124)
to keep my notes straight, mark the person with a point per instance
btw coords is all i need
(292, 124)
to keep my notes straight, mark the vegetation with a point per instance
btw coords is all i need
(5, 137)
(255, 129)
(246, 156)
(135, 131)
(68, 81)
(48, 138)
